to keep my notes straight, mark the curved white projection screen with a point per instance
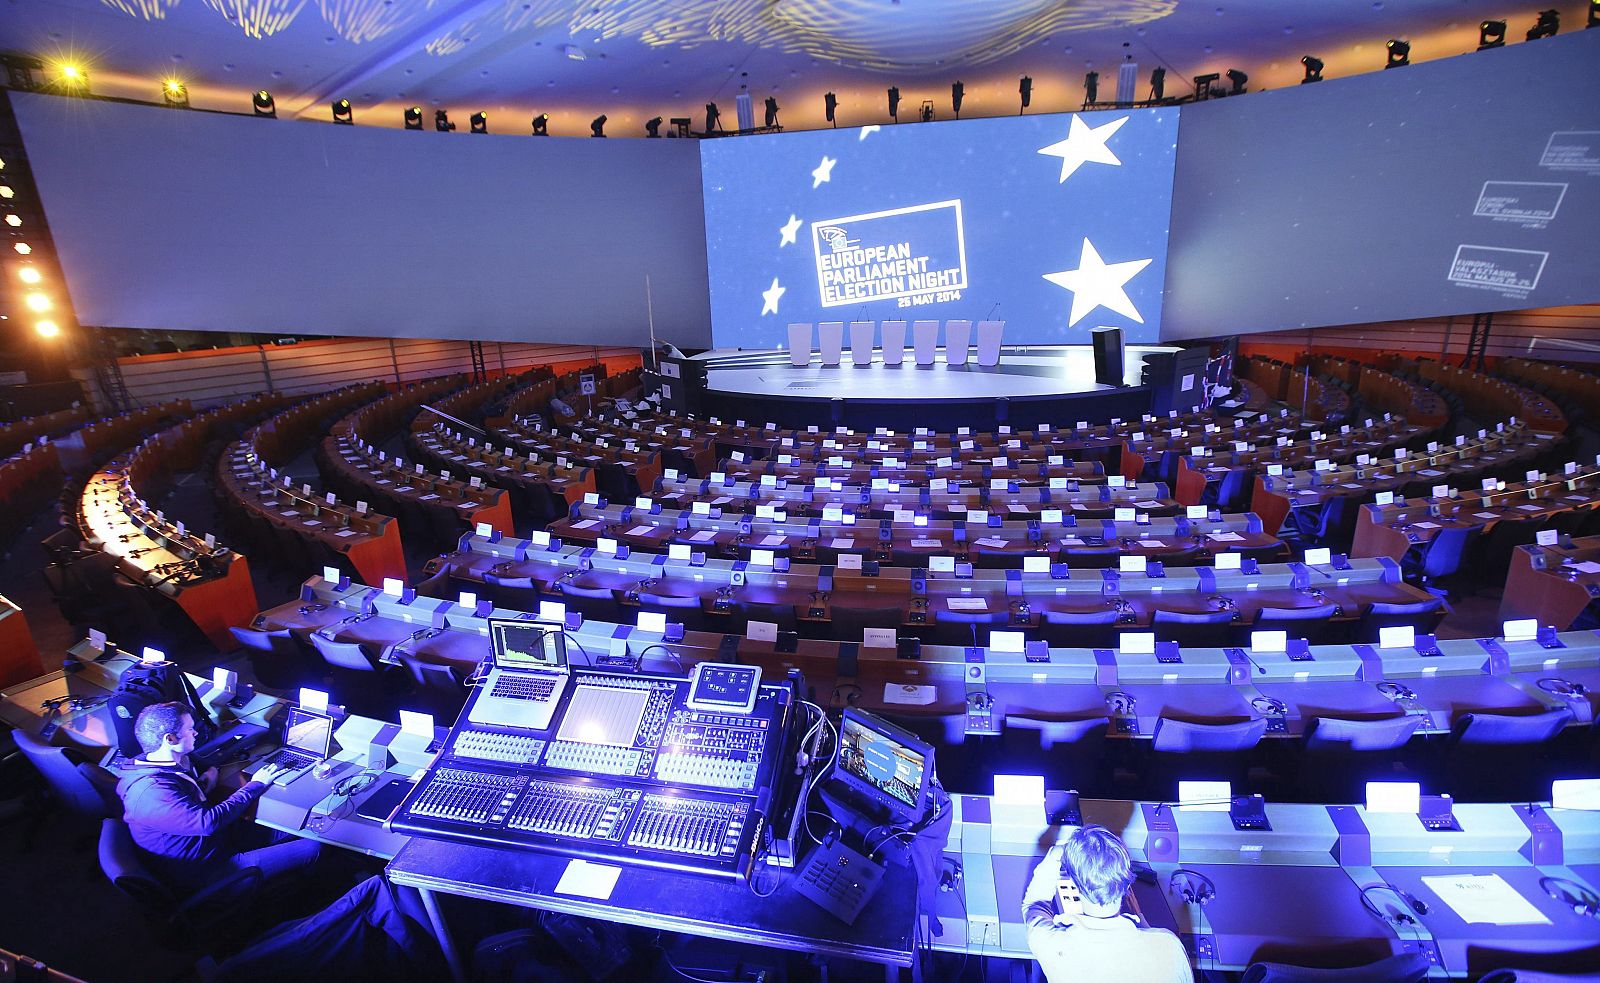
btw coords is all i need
(1455, 186)
(168, 219)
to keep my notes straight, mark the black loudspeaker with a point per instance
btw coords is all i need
(1108, 367)
(681, 382)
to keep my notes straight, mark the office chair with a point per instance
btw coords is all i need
(83, 788)
(1407, 967)
(1194, 629)
(682, 609)
(1441, 557)
(276, 659)
(1339, 756)
(1186, 736)
(1182, 749)
(438, 688)
(1312, 624)
(1503, 757)
(1080, 629)
(516, 593)
(744, 612)
(963, 627)
(1069, 753)
(214, 914)
(594, 603)
(1424, 616)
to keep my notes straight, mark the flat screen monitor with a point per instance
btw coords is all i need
(883, 765)
(305, 730)
(527, 645)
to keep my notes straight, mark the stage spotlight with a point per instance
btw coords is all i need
(1594, 14)
(597, 127)
(37, 302)
(1158, 84)
(541, 125)
(1025, 90)
(1202, 85)
(263, 104)
(71, 77)
(479, 122)
(46, 329)
(175, 93)
(894, 99)
(771, 117)
(1399, 53)
(1547, 25)
(1313, 66)
(927, 111)
(413, 118)
(342, 113)
(957, 93)
(1236, 81)
(830, 105)
(1491, 34)
(1091, 88)
(713, 117)
(28, 275)
(652, 128)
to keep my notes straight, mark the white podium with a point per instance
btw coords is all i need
(861, 333)
(957, 339)
(925, 336)
(989, 333)
(894, 342)
(800, 343)
(830, 341)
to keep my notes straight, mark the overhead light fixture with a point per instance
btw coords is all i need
(413, 118)
(22, 248)
(597, 126)
(1236, 81)
(1202, 85)
(1399, 53)
(1091, 88)
(771, 116)
(1547, 25)
(46, 329)
(37, 302)
(541, 125)
(1025, 90)
(894, 99)
(263, 104)
(175, 93)
(1594, 14)
(19, 71)
(14, 220)
(830, 105)
(342, 112)
(5, 191)
(652, 128)
(1491, 34)
(927, 111)
(441, 121)
(957, 93)
(28, 274)
(479, 121)
(1158, 84)
(72, 78)
(713, 117)
(1313, 66)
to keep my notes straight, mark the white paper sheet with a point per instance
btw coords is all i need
(1484, 898)
(588, 880)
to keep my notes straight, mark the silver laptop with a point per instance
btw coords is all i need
(307, 739)
(529, 675)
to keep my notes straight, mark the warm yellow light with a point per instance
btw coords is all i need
(38, 302)
(15, 221)
(47, 329)
(23, 248)
(29, 274)
(71, 71)
(174, 86)
(5, 191)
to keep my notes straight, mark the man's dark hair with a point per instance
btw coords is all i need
(1097, 861)
(156, 721)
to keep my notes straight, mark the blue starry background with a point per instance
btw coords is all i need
(1021, 221)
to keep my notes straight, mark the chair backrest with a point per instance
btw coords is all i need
(73, 785)
(1424, 616)
(1504, 728)
(1185, 735)
(1443, 557)
(1053, 732)
(342, 655)
(124, 868)
(1106, 617)
(1407, 967)
(1279, 616)
(1383, 734)
(1164, 617)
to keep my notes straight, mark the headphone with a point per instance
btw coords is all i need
(1192, 886)
(949, 875)
(1398, 918)
(1270, 706)
(1582, 900)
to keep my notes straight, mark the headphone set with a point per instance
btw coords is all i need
(1416, 904)
(1192, 886)
(1121, 704)
(1582, 900)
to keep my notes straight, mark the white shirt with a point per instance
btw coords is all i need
(1074, 948)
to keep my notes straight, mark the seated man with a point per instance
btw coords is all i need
(1076, 927)
(187, 839)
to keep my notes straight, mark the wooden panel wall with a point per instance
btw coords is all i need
(1555, 334)
(222, 375)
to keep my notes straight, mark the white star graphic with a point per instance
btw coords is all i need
(769, 297)
(867, 131)
(1096, 283)
(823, 172)
(1085, 144)
(789, 229)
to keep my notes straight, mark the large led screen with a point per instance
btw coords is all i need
(1055, 224)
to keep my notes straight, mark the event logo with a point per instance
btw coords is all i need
(916, 254)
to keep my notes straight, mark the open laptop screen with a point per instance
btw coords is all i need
(307, 731)
(527, 645)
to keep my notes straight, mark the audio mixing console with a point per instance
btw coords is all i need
(630, 769)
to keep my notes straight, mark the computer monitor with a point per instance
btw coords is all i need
(309, 731)
(884, 766)
(527, 645)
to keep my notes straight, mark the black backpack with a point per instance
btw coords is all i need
(144, 684)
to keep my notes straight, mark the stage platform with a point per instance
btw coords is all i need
(1029, 385)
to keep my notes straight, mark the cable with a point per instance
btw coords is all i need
(573, 639)
(657, 645)
(688, 976)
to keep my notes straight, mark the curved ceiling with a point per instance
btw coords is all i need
(635, 59)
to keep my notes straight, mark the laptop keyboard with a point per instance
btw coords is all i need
(290, 758)
(519, 687)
